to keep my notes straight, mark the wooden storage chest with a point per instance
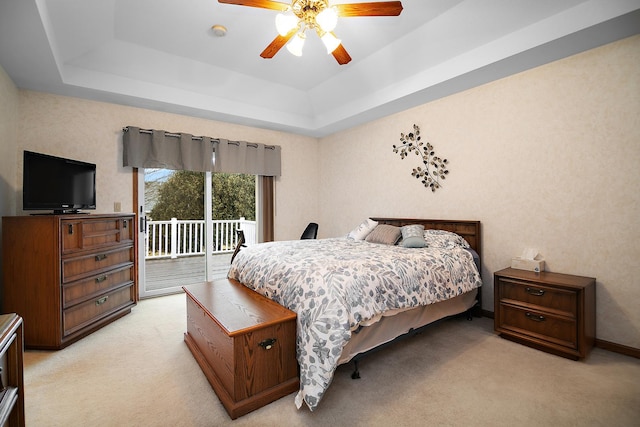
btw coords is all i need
(244, 343)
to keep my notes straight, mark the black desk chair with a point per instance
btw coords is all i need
(239, 245)
(310, 232)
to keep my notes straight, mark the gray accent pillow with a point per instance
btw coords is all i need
(385, 234)
(413, 236)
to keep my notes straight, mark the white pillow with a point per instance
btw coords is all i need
(363, 230)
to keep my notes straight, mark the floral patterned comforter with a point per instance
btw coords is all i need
(335, 284)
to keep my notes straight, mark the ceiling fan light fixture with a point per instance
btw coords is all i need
(327, 19)
(331, 42)
(300, 15)
(296, 44)
(285, 22)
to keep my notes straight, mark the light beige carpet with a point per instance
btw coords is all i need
(138, 372)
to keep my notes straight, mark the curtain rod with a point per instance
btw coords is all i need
(198, 138)
(150, 132)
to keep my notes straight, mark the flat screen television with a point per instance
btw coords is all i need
(57, 184)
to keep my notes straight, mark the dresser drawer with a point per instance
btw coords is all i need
(556, 300)
(90, 234)
(82, 290)
(81, 315)
(541, 325)
(99, 262)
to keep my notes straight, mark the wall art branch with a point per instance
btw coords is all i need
(435, 168)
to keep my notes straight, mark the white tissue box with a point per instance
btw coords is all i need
(536, 264)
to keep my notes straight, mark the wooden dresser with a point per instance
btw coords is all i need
(11, 376)
(244, 343)
(552, 312)
(68, 275)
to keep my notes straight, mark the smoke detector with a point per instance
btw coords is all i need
(219, 30)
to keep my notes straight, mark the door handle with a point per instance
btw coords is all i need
(143, 224)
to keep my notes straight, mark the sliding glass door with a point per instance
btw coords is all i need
(172, 239)
(186, 234)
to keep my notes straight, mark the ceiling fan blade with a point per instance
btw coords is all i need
(341, 55)
(277, 44)
(264, 4)
(384, 8)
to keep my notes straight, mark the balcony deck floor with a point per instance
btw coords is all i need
(163, 273)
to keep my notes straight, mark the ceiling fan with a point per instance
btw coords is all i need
(301, 15)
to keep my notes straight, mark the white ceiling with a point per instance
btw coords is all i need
(163, 55)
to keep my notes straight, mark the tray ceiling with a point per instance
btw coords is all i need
(165, 56)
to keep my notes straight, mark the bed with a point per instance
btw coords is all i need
(355, 293)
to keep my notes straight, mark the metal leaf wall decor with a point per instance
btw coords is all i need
(434, 169)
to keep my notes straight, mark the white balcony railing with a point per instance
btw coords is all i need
(175, 238)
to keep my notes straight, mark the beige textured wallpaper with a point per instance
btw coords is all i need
(548, 159)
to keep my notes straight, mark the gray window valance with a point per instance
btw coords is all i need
(148, 148)
(255, 159)
(159, 149)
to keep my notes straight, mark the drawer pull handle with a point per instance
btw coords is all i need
(101, 279)
(267, 344)
(535, 292)
(102, 300)
(535, 317)
(101, 257)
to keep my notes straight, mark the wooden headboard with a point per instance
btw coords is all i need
(470, 230)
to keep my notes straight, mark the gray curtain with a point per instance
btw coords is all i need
(246, 157)
(160, 149)
(145, 148)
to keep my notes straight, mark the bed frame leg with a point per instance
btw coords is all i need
(470, 314)
(356, 373)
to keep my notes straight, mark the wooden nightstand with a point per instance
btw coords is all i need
(549, 311)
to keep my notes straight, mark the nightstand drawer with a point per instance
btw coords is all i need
(536, 324)
(557, 300)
